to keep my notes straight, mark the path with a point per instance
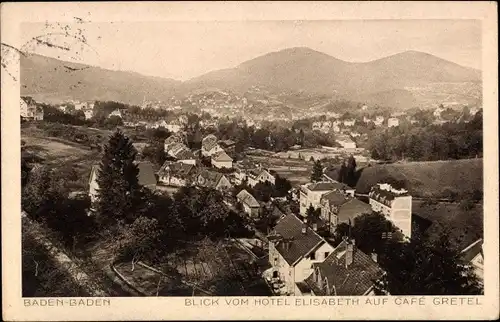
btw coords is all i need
(64, 261)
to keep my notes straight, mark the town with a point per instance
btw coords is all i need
(160, 200)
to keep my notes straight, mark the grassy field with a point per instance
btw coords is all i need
(58, 153)
(434, 179)
(296, 170)
(464, 226)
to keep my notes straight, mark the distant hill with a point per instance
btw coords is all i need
(302, 69)
(51, 80)
(427, 179)
(402, 80)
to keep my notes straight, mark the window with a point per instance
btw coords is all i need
(275, 274)
(313, 256)
(326, 254)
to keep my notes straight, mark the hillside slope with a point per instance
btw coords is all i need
(427, 179)
(48, 79)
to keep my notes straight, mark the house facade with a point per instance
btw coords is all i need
(393, 122)
(394, 204)
(474, 256)
(347, 271)
(255, 176)
(209, 146)
(213, 180)
(250, 205)
(176, 174)
(311, 193)
(29, 110)
(337, 208)
(293, 249)
(221, 160)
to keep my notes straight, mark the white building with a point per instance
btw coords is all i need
(346, 142)
(293, 249)
(394, 204)
(259, 175)
(350, 122)
(222, 160)
(393, 122)
(311, 193)
(379, 120)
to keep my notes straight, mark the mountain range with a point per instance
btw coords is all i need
(393, 80)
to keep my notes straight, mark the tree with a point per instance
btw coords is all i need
(342, 173)
(263, 191)
(119, 192)
(155, 152)
(139, 240)
(424, 267)
(317, 171)
(313, 214)
(282, 186)
(351, 171)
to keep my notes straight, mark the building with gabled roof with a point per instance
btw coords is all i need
(176, 174)
(250, 205)
(311, 193)
(347, 271)
(146, 177)
(209, 145)
(474, 255)
(221, 160)
(255, 176)
(213, 180)
(293, 248)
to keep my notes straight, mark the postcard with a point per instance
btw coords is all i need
(249, 160)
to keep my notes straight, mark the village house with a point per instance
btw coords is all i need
(394, 204)
(250, 205)
(392, 122)
(347, 271)
(228, 146)
(171, 141)
(293, 248)
(213, 180)
(337, 208)
(89, 113)
(146, 178)
(338, 186)
(209, 146)
(345, 141)
(30, 110)
(139, 147)
(366, 119)
(255, 176)
(311, 193)
(474, 255)
(355, 134)
(176, 174)
(116, 112)
(221, 160)
(349, 122)
(379, 120)
(181, 153)
(172, 127)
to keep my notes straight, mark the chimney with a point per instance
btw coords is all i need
(374, 257)
(315, 227)
(349, 254)
(304, 228)
(305, 220)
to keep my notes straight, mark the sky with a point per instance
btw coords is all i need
(183, 50)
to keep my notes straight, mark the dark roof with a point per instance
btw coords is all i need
(334, 198)
(327, 185)
(209, 142)
(222, 156)
(209, 179)
(472, 250)
(352, 209)
(303, 287)
(290, 228)
(356, 279)
(227, 143)
(177, 169)
(382, 195)
(246, 198)
(146, 174)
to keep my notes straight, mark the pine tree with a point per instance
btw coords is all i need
(317, 171)
(119, 196)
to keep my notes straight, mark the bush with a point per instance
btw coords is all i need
(467, 204)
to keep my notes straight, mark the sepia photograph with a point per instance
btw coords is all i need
(300, 159)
